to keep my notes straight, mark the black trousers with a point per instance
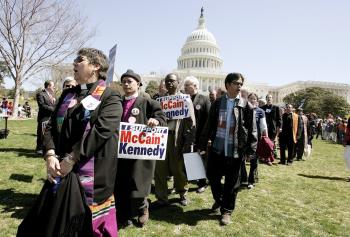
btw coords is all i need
(128, 207)
(202, 182)
(39, 137)
(253, 171)
(300, 147)
(230, 168)
(289, 145)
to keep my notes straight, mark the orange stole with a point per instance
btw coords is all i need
(295, 126)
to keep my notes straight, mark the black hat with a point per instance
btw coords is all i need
(131, 73)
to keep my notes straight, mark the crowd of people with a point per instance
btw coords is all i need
(78, 137)
(23, 111)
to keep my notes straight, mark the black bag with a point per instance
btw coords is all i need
(59, 211)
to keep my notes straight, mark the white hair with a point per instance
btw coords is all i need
(67, 79)
(193, 80)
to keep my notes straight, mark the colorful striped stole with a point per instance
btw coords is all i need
(86, 167)
(68, 102)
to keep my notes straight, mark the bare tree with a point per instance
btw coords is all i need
(36, 34)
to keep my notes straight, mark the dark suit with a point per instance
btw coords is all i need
(134, 177)
(46, 106)
(286, 138)
(273, 121)
(201, 106)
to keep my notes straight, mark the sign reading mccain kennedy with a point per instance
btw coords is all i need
(137, 141)
(175, 106)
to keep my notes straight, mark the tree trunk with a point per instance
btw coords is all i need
(17, 96)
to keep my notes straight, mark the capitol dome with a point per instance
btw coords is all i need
(200, 51)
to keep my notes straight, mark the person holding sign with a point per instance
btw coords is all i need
(181, 123)
(82, 138)
(231, 127)
(201, 106)
(134, 176)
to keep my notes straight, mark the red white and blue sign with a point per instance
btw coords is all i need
(138, 141)
(175, 106)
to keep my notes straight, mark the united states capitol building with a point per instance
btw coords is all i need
(200, 57)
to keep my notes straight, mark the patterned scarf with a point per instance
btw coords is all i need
(86, 168)
(68, 102)
(219, 141)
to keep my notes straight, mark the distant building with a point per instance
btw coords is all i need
(200, 57)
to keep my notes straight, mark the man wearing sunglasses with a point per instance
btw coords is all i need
(231, 128)
(69, 82)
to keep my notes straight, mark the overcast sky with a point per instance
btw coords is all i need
(269, 41)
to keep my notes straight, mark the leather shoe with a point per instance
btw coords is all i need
(159, 204)
(183, 201)
(143, 217)
(225, 219)
(124, 224)
(171, 191)
(201, 189)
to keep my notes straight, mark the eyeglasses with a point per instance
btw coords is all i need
(236, 83)
(170, 82)
(79, 59)
(68, 86)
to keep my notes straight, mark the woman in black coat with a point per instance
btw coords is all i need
(82, 137)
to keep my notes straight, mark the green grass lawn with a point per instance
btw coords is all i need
(309, 198)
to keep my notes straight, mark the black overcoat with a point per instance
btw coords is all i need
(100, 142)
(134, 177)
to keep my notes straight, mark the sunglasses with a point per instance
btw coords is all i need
(170, 82)
(79, 59)
(68, 86)
(236, 83)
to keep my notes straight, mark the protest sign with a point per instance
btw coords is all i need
(137, 141)
(175, 106)
(111, 61)
(194, 166)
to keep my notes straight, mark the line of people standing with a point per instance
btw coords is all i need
(81, 140)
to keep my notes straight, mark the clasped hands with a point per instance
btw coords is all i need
(56, 168)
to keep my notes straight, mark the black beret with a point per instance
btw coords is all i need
(131, 73)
